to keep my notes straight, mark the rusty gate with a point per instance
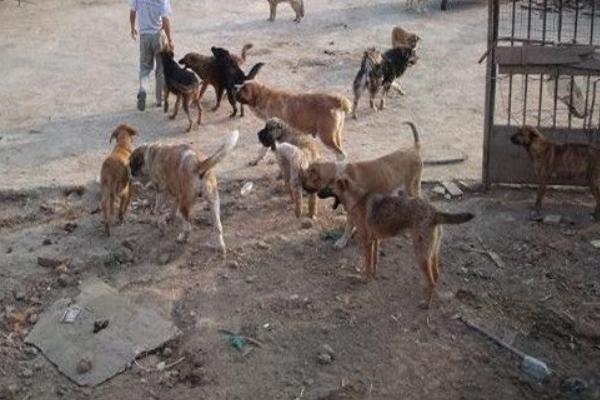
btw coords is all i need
(543, 69)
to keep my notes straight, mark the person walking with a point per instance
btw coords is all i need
(152, 17)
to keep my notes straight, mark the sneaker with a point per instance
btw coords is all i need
(141, 101)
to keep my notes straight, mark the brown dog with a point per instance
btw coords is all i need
(381, 216)
(568, 160)
(114, 176)
(183, 174)
(318, 114)
(297, 6)
(208, 71)
(402, 168)
(402, 37)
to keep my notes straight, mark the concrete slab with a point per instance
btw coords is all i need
(132, 331)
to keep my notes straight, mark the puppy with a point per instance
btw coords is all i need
(567, 161)
(404, 38)
(401, 168)
(180, 172)
(184, 84)
(294, 153)
(114, 176)
(208, 71)
(297, 6)
(379, 71)
(230, 75)
(317, 114)
(381, 216)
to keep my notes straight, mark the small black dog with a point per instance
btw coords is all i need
(379, 71)
(230, 75)
(184, 84)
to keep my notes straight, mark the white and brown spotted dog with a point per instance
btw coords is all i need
(317, 114)
(182, 173)
(401, 168)
(295, 152)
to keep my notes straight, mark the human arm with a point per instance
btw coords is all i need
(134, 32)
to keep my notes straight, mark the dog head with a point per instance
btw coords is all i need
(248, 92)
(220, 52)
(318, 176)
(123, 134)
(413, 58)
(272, 132)
(186, 61)
(167, 53)
(526, 136)
(137, 163)
(413, 40)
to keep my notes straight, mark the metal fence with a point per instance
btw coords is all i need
(543, 69)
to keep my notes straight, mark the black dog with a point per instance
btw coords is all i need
(230, 75)
(184, 84)
(379, 71)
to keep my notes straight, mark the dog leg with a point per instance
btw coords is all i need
(541, 191)
(398, 87)
(348, 231)
(106, 216)
(368, 254)
(262, 153)
(166, 105)
(273, 11)
(186, 108)
(124, 205)
(232, 101)
(203, 88)
(423, 253)
(159, 200)
(175, 108)
(215, 206)
(297, 9)
(312, 205)
(197, 103)
(595, 186)
(375, 256)
(184, 212)
(220, 92)
(297, 196)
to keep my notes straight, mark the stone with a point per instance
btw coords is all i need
(46, 242)
(167, 352)
(263, 245)
(595, 243)
(452, 189)
(552, 219)
(307, 223)
(124, 255)
(84, 366)
(328, 349)
(439, 190)
(128, 244)
(234, 265)
(30, 351)
(251, 279)
(33, 318)
(26, 373)
(164, 258)
(573, 385)
(19, 295)
(48, 262)
(324, 358)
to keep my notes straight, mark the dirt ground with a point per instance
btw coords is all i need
(69, 78)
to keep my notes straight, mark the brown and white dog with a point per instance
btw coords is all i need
(295, 152)
(317, 114)
(381, 216)
(401, 168)
(114, 175)
(297, 6)
(180, 172)
(567, 160)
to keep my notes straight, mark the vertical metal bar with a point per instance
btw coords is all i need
(526, 84)
(591, 113)
(510, 76)
(510, 86)
(560, 7)
(570, 105)
(490, 88)
(576, 21)
(541, 93)
(592, 19)
(587, 96)
(555, 98)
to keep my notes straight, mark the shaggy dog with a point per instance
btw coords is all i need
(208, 71)
(317, 114)
(403, 38)
(379, 71)
(180, 172)
(567, 161)
(295, 152)
(230, 75)
(184, 84)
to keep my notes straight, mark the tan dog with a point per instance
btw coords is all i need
(317, 114)
(568, 160)
(402, 38)
(114, 176)
(381, 216)
(182, 173)
(402, 168)
(295, 152)
(297, 6)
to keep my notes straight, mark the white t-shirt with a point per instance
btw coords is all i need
(150, 13)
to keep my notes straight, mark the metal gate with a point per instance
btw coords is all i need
(543, 69)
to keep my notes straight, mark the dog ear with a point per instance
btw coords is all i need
(114, 135)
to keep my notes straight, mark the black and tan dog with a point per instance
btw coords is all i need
(379, 71)
(208, 71)
(114, 176)
(295, 152)
(401, 168)
(184, 84)
(381, 216)
(231, 75)
(567, 161)
(182, 173)
(297, 6)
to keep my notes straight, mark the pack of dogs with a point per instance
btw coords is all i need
(381, 196)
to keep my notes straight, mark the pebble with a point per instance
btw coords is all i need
(263, 245)
(46, 242)
(26, 373)
(324, 358)
(309, 382)
(30, 351)
(439, 190)
(573, 385)
(128, 244)
(251, 279)
(124, 255)
(552, 219)
(234, 265)
(167, 352)
(307, 223)
(164, 258)
(33, 318)
(19, 295)
(452, 189)
(328, 349)
(161, 366)
(83, 366)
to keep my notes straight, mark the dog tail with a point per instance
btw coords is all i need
(415, 133)
(343, 103)
(220, 154)
(254, 71)
(244, 52)
(453, 219)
